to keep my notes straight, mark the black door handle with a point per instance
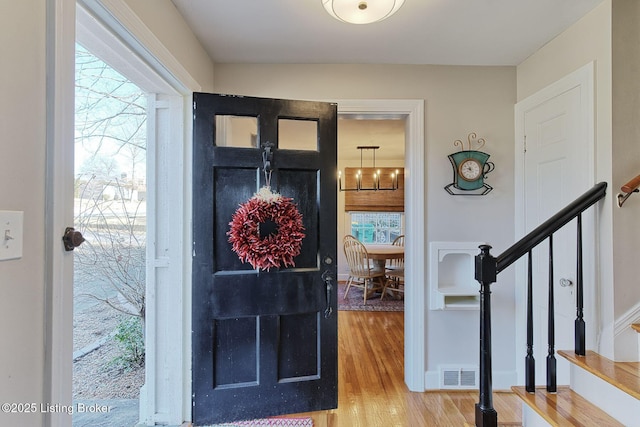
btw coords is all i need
(72, 239)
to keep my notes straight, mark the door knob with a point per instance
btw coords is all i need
(565, 282)
(72, 239)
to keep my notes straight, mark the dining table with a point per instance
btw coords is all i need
(380, 253)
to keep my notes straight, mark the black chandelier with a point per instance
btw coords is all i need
(376, 174)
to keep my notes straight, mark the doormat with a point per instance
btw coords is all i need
(270, 422)
(355, 301)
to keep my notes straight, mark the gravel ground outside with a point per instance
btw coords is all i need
(94, 375)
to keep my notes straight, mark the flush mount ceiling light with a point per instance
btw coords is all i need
(361, 11)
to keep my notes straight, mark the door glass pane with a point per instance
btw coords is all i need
(236, 131)
(297, 134)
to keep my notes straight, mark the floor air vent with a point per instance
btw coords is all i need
(459, 377)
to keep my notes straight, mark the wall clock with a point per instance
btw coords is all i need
(470, 168)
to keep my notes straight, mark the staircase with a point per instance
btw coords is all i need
(602, 393)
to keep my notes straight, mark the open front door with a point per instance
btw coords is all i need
(264, 341)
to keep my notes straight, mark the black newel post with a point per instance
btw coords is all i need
(486, 272)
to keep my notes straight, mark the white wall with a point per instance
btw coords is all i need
(458, 100)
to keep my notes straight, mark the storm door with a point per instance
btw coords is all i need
(264, 320)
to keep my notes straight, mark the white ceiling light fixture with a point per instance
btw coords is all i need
(361, 11)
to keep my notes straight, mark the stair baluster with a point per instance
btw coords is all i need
(530, 362)
(579, 333)
(551, 325)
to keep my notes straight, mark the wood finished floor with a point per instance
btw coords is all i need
(371, 389)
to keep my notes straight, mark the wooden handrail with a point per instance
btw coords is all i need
(632, 185)
(628, 189)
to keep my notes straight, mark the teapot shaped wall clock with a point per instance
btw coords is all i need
(470, 168)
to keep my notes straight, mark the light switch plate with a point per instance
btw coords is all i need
(11, 234)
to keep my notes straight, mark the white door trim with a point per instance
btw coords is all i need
(415, 302)
(58, 316)
(582, 78)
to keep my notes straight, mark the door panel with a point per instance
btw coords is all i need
(233, 187)
(556, 173)
(262, 344)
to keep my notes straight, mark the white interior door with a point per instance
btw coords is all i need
(557, 167)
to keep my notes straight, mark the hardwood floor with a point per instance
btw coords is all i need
(371, 389)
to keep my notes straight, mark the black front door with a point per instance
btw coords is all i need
(264, 339)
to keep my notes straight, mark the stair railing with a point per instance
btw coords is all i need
(628, 189)
(487, 268)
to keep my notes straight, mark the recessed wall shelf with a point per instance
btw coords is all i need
(452, 276)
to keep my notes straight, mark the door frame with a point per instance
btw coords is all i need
(415, 299)
(58, 289)
(582, 78)
(125, 26)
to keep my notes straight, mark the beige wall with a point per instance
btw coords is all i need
(626, 150)
(22, 153)
(458, 100)
(609, 36)
(587, 40)
(164, 20)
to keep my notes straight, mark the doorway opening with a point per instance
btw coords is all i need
(371, 216)
(151, 184)
(371, 220)
(109, 269)
(414, 326)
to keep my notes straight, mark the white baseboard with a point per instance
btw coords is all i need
(625, 339)
(625, 321)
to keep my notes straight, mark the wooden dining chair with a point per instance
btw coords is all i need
(395, 272)
(362, 274)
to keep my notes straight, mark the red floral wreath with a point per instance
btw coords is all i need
(275, 250)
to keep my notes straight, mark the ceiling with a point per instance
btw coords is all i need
(450, 32)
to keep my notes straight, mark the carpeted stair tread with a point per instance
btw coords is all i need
(623, 375)
(565, 408)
